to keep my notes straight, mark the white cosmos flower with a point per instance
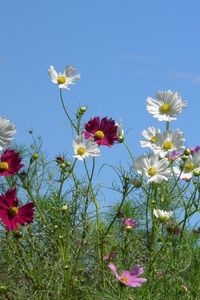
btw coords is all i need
(189, 167)
(120, 131)
(154, 168)
(152, 135)
(169, 141)
(63, 79)
(166, 105)
(7, 131)
(162, 215)
(85, 147)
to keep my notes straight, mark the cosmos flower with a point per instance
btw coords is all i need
(129, 223)
(84, 147)
(188, 167)
(129, 278)
(170, 141)
(166, 105)
(64, 79)
(154, 168)
(7, 131)
(10, 163)
(120, 131)
(152, 136)
(162, 215)
(104, 131)
(11, 215)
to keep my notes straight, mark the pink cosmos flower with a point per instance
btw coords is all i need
(10, 163)
(129, 278)
(129, 223)
(11, 215)
(104, 131)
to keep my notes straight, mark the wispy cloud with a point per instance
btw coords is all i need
(194, 78)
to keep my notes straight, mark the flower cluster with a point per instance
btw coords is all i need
(11, 214)
(97, 132)
(166, 145)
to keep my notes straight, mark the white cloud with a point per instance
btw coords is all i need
(194, 78)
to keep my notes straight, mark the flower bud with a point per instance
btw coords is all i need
(64, 208)
(62, 166)
(35, 156)
(82, 110)
(187, 152)
(196, 172)
(2, 288)
(67, 164)
(136, 182)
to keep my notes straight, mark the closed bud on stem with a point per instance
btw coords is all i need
(2, 288)
(67, 163)
(35, 156)
(62, 166)
(64, 208)
(187, 152)
(196, 172)
(82, 110)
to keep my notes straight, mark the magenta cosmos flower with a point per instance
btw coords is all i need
(10, 163)
(11, 215)
(104, 131)
(129, 278)
(129, 223)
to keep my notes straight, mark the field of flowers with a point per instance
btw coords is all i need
(58, 242)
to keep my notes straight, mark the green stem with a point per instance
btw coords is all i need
(129, 151)
(65, 110)
(125, 194)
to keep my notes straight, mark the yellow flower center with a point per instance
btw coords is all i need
(124, 279)
(154, 139)
(167, 145)
(128, 227)
(99, 134)
(165, 108)
(13, 211)
(4, 166)
(152, 171)
(189, 167)
(81, 151)
(62, 79)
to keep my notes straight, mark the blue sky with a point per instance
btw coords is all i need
(124, 50)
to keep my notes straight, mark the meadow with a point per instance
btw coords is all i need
(58, 242)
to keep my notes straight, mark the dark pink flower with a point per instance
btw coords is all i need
(10, 163)
(11, 215)
(129, 223)
(104, 131)
(194, 150)
(129, 278)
